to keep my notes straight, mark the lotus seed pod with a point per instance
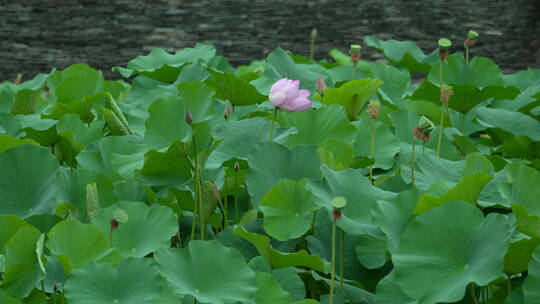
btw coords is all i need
(339, 202)
(120, 216)
(446, 93)
(444, 44)
(373, 108)
(314, 33)
(355, 48)
(472, 35)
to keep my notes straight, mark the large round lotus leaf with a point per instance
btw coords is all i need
(146, 230)
(269, 162)
(9, 225)
(209, 272)
(531, 289)
(76, 244)
(478, 72)
(238, 139)
(330, 122)
(288, 209)
(22, 271)
(166, 122)
(444, 249)
(7, 299)
(389, 292)
(386, 144)
(524, 189)
(197, 99)
(134, 281)
(361, 195)
(269, 291)
(26, 181)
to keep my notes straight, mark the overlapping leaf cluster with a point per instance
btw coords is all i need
(100, 181)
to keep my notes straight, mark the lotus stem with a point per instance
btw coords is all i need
(312, 44)
(439, 140)
(372, 149)
(341, 257)
(273, 122)
(333, 272)
(466, 54)
(236, 213)
(413, 160)
(353, 70)
(226, 201)
(473, 294)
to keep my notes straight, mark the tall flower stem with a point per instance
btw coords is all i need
(466, 54)
(312, 44)
(413, 160)
(198, 189)
(273, 123)
(333, 273)
(341, 257)
(439, 140)
(225, 201)
(236, 212)
(372, 149)
(473, 294)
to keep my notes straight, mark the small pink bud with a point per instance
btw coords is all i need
(320, 85)
(228, 111)
(188, 117)
(336, 213)
(114, 224)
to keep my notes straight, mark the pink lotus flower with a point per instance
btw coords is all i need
(286, 95)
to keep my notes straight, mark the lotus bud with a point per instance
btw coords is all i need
(446, 93)
(313, 33)
(320, 85)
(355, 52)
(373, 108)
(286, 95)
(227, 112)
(188, 117)
(338, 203)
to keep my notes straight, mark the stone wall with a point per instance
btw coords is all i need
(36, 35)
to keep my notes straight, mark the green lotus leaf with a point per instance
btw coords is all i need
(393, 216)
(288, 209)
(26, 102)
(83, 108)
(26, 181)
(197, 99)
(85, 134)
(147, 229)
(166, 122)
(277, 259)
(236, 90)
(386, 145)
(523, 79)
(467, 190)
(269, 162)
(430, 168)
(361, 195)
(133, 281)
(9, 225)
(238, 138)
(76, 244)
(479, 72)
(163, 66)
(281, 65)
(515, 122)
(389, 292)
(371, 249)
(289, 279)
(270, 291)
(519, 255)
(330, 122)
(530, 286)
(466, 96)
(75, 82)
(436, 265)
(406, 54)
(335, 154)
(196, 271)
(8, 141)
(395, 82)
(22, 270)
(7, 299)
(115, 156)
(170, 167)
(523, 189)
(320, 243)
(352, 95)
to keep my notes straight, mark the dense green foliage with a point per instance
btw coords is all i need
(165, 188)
